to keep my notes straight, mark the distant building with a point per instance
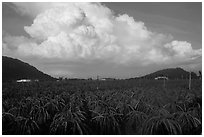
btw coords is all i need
(103, 79)
(23, 80)
(161, 77)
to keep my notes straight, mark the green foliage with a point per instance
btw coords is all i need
(186, 118)
(9, 123)
(19, 125)
(161, 125)
(26, 126)
(39, 114)
(115, 107)
(134, 120)
(69, 121)
(107, 124)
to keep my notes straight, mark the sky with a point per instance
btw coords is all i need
(119, 40)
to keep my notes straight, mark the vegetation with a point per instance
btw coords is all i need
(102, 107)
(14, 69)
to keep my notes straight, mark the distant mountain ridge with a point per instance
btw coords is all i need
(171, 73)
(14, 69)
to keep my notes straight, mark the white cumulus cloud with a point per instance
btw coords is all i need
(91, 32)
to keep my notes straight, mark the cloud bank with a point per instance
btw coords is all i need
(91, 32)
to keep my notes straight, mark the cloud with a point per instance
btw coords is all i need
(182, 49)
(90, 32)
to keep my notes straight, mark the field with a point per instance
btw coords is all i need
(126, 107)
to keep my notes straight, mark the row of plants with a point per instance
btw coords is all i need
(102, 112)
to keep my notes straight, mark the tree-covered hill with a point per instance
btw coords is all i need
(14, 69)
(171, 73)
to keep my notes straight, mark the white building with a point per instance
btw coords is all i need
(161, 77)
(23, 80)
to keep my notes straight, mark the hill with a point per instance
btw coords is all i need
(14, 69)
(171, 73)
